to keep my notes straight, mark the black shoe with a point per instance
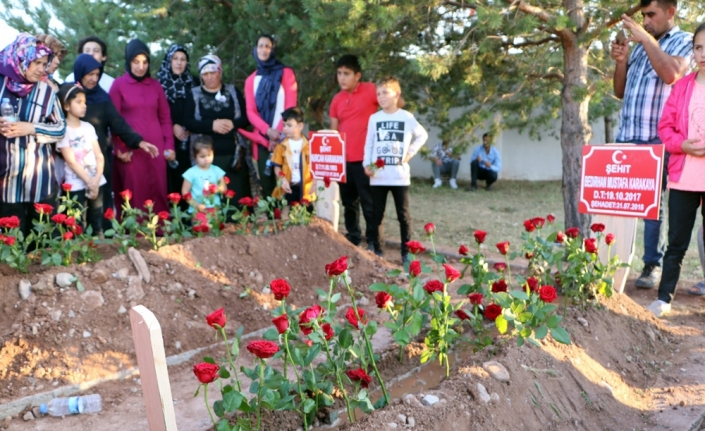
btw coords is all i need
(650, 276)
(375, 249)
(472, 189)
(488, 187)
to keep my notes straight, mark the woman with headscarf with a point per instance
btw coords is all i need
(141, 101)
(105, 118)
(175, 77)
(59, 51)
(218, 110)
(269, 91)
(26, 159)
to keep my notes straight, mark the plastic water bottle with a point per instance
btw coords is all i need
(7, 111)
(72, 406)
(268, 166)
(172, 164)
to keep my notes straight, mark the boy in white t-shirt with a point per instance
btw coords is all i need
(82, 165)
(393, 137)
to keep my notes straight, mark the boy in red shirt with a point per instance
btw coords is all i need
(350, 112)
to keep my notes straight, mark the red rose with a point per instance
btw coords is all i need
(126, 195)
(43, 208)
(70, 221)
(307, 316)
(148, 203)
(415, 247)
(12, 222)
(326, 182)
(538, 222)
(415, 268)
(503, 247)
(464, 250)
(430, 228)
(10, 240)
(77, 230)
(201, 228)
(529, 255)
(383, 300)
(500, 266)
(533, 284)
(476, 298)
(352, 318)
(205, 372)
(255, 201)
(433, 286)
(277, 214)
(547, 294)
(551, 218)
(212, 189)
(462, 315)
(572, 232)
(174, 198)
(246, 201)
(58, 218)
(379, 163)
(229, 194)
(529, 226)
(499, 286)
(280, 288)
(67, 236)
(359, 375)
(452, 274)
(480, 236)
(328, 331)
(109, 214)
(163, 215)
(217, 318)
(66, 187)
(263, 349)
(590, 245)
(187, 197)
(560, 237)
(226, 180)
(282, 323)
(609, 239)
(597, 227)
(493, 311)
(338, 267)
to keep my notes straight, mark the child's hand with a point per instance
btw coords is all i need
(368, 172)
(285, 185)
(201, 207)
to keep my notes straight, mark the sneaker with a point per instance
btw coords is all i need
(453, 184)
(650, 276)
(660, 308)
(437, 183)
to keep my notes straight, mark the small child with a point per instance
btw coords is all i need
(394, 136)
(83, 161)
(199, 178)
(291, 160)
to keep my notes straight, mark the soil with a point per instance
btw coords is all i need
(626, 370)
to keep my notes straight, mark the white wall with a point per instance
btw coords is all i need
(523, 158)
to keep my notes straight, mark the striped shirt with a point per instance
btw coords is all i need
(27, 162)
(646, 93)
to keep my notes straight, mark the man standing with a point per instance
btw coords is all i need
(443, 162)
(643, 80)
(485, 163)
(96, 47)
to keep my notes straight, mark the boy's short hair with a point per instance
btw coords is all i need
(391, 82)
(349, 61)
(201, 142)
(96, 39)
(294, 113)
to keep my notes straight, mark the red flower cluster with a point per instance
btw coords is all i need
(415, 268)
(433, 286)
(493, 311)
(205, 372)
(383, 300)
(359, 375)
(415, 247)
(309, 315)
(452, 274)
(352, 318)
(7, 240)
(217, 318)
(201, 228)
(337, 267)
(499, 286)
(480, 236)
(280, 288)
(263, 349)
(12, 222)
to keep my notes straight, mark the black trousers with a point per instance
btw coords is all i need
(356, 193)
(478, 173)
(94, 209)
(268, 182)
(682, 211)
(107, 198)
(25, 212)
(401, 203)
(175, 177)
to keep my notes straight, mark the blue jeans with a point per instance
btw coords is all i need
(447, 168)
(654, 232)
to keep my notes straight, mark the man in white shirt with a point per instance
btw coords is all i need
(96, 47)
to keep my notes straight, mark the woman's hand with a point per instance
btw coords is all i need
(146, 146)
(688, 146)
(180, 133)
(222, 126)
(125, 157)
(15, 129)
(273, 134)
(169, 155)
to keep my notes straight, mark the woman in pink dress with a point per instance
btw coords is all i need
(141, 101)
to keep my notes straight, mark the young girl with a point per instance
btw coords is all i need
(682, 130)
(82, 159)
(199, 178)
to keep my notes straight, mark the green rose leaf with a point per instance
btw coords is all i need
(402, 337)
(554, 320)
(561, 335)
(502, 324)
(379, 287)
(541, 332)
(232, 401)
(309, 405)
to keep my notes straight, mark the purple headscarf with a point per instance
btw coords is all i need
(16, 58)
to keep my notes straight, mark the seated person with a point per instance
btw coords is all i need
(485, 163)
(444, 163)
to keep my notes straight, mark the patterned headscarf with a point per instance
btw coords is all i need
(16, 58)
(209, 63)
(175, 86)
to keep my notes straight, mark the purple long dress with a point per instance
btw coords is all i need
(145, 108)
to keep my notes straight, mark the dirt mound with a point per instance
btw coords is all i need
(63, 336)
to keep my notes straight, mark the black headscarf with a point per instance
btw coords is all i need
(175, 86)
(134, 48)
(85, 64)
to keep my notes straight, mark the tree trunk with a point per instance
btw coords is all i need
(609, 130)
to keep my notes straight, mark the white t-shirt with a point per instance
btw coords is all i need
(80, 140)
(295, 147)
(105, 81)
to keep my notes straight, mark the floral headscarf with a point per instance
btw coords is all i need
(175, 86)
(16, 58)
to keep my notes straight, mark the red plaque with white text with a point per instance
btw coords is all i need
(327, 155)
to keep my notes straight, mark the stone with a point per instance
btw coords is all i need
(402, 418)
(45, 286)
(139, 263)
(430, 400)
(29, 416)
(86, 334)
(25, 289)
(55, 315)
(72, 314)
(411, 400)
(177, 345)
(99, 276)
(494, 397)
(121, 274)
(92, 299)
(35, 330)
(64, 279)
(122, 310)
(173, 288)
(411, 422)
(650, 334)
(134, 290)
(392, 425)
(191, 293)
(582, 321)
(363, 302)
(496, 370)
(257, 277)
(36, 412)
(266, 290)
(72, 332)
(482, 391)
